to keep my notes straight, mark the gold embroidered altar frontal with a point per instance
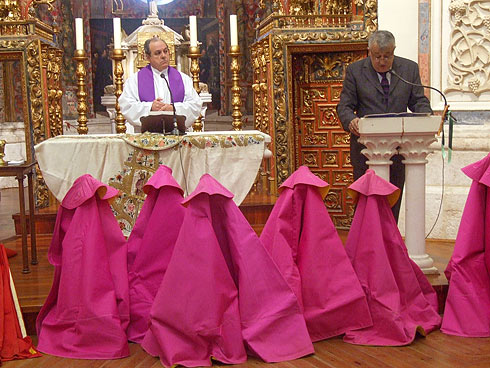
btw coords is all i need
(127, 161)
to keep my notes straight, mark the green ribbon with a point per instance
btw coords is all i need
(451, 120)
(450, 138)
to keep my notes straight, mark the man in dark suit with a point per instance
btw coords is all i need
(370, 88)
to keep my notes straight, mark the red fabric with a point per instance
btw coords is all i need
(10, 252)
(467, 309)
(395, 295)
(86, 313)
(150, 246)
(12, 344)
(222, 293)
(304, 243)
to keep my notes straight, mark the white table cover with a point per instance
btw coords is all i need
(127, 161)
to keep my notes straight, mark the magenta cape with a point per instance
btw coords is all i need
(150, 246)
(86, 313)
(222, 293)
(467, 310)
(400, 299)
(303, 241)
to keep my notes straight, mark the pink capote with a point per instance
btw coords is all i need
(222, 293)
(467, 310)
(303, 241)
(400, 299)
(86, 313)
(150, 246)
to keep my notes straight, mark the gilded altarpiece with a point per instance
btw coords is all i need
(30, 44)
(299, 60)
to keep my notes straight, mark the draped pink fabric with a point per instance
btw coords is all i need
(394, 291)
(150, 246)
(303, 241)
(467, 310)
(86, 313)
(222, 295)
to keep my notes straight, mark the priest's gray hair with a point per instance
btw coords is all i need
(150, 40)
(384, 40)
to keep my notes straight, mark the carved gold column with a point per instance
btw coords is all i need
(118, 57)
(194, 55)
(51, 58)
(59, 92)
(256, 89)
(3, 142)
(81, 73)
(236, 101)
(266, 126)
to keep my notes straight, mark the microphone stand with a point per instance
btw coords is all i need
(422, 85)
(446, 114)
(175, 131)
(446, 106)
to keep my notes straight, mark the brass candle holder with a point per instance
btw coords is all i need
(118, 57)
(81, 74)
(236, 100)
(2, 152)
(194, 55)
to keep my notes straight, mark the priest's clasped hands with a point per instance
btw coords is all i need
(159, 105)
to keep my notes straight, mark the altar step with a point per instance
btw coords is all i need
(256, 209)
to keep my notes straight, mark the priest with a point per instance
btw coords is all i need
(158, 87)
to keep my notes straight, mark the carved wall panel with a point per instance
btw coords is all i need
(469, 54)
(462, 68)
(319, 140)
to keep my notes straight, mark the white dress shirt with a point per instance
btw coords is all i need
(133, 109)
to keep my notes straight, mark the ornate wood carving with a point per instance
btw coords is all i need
(306, 28)
(51, 61)
(319, 140)
(31, 42)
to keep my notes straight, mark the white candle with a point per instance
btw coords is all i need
(193, 26)
(79, 33)
(233, 30)
(117, 33)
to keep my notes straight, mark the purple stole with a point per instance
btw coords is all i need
(146, 88)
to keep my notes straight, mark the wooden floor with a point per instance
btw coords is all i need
(435, 350)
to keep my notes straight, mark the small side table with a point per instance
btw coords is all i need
(19, 171)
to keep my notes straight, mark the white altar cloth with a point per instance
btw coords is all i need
(127, 161)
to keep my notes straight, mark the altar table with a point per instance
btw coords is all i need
(127, 161)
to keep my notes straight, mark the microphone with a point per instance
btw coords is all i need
(418, 85)
(175, 131)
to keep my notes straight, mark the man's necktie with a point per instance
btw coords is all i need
(385, 85)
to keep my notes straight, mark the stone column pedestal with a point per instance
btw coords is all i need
(415, 148)
(413, 135)
(381, 138)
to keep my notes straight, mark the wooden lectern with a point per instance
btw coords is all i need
(409, 135)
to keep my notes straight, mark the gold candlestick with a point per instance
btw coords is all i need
(194, 55)
(2, 152)
(236, 100)
(81, 73)
(118, 57)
